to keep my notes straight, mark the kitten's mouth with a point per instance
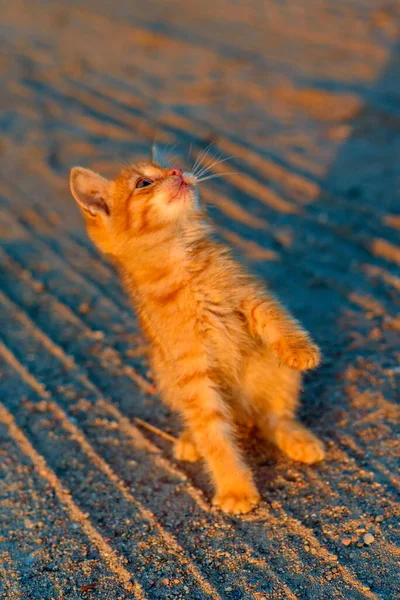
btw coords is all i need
(180, 193)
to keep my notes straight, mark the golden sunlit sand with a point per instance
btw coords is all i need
(304, 97)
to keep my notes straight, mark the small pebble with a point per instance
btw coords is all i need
(97, 335)
(332, 557)
(379, 518)
(84, 308)
(346, 541)
(368, 539)
(228, 589)
(38, 286)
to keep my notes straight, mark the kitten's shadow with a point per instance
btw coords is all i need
(328, 263)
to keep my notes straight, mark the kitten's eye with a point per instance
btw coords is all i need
(141, 183)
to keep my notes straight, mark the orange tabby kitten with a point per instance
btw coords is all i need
(223, 350)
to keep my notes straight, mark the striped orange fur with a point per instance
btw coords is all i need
(222, 349)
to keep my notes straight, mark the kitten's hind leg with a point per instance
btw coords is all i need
(185, 448)
(295, 440)
(273, 390)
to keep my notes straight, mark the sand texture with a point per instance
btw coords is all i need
(305, 95)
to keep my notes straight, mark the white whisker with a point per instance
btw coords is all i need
(214, 160)
(169, 149)
(215, 176)
(214, 164)
(168, 157)
(197, 162)
(201, 157)
(203, 169)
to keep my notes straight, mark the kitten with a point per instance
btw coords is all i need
(223, 350)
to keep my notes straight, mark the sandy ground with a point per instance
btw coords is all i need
(305, 95)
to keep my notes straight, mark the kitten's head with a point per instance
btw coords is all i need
(144, 199)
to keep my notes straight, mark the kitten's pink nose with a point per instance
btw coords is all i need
(176, 172)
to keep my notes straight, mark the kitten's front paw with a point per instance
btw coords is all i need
(186, 449)
(237, 502)
(297, 353)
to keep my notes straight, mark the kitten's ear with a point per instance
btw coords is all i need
(157, 156)
(90, 190)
